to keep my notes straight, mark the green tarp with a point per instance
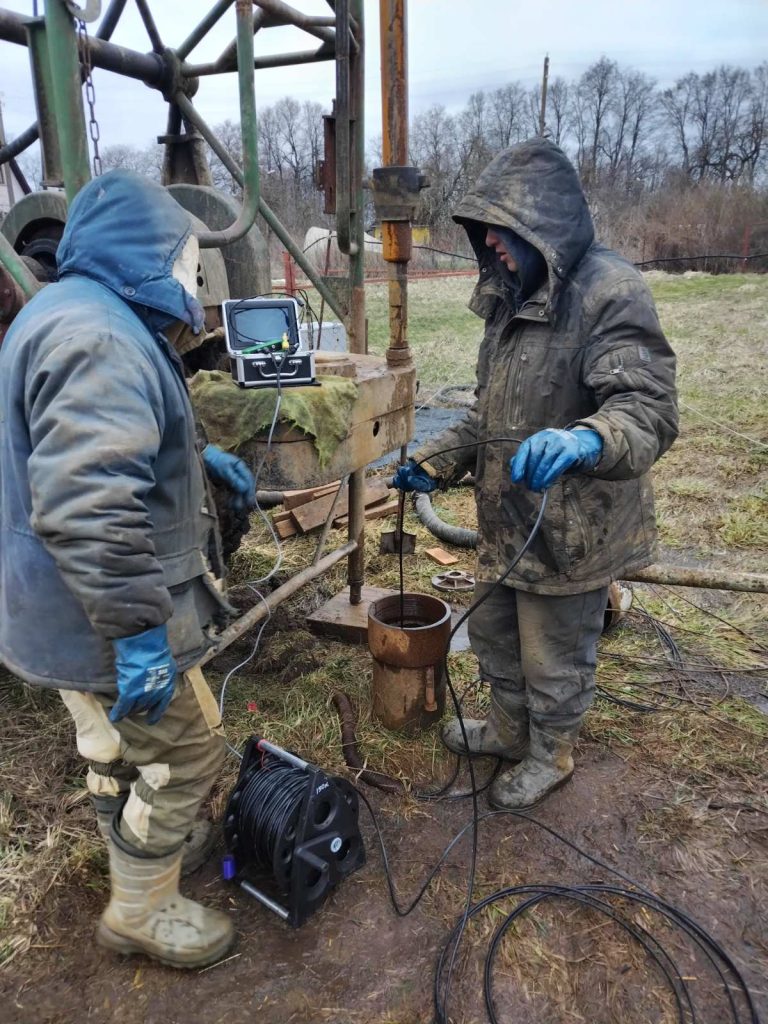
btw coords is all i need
(233, 416)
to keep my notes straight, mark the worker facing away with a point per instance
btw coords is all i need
(575, 365)
(109, 547)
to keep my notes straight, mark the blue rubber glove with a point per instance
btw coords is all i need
(146, 673)
(233, 473)
(544, 457)
(412, 477)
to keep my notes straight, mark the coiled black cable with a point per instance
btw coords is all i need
(269, 807)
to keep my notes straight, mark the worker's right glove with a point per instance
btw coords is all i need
(413, 477)
(543, 457)
(146, 674)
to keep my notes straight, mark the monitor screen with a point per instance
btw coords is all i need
(261, 325)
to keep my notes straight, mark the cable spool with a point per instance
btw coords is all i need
(288, 820)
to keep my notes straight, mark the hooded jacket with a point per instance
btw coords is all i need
(586, 349)
(105, 518)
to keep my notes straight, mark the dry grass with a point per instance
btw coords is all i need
(48, 839)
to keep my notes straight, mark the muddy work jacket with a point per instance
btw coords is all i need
(585, 349)
(106, 525)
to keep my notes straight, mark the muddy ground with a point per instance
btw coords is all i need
(357, 962)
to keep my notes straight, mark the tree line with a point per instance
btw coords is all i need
(668, 172)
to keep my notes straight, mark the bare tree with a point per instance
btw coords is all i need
(593, 98)
(147, 161)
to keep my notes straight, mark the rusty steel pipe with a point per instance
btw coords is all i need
(396, 235)
(408, 661)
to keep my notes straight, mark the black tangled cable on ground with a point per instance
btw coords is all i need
(729, 977)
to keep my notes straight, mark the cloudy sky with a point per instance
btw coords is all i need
(455, 47)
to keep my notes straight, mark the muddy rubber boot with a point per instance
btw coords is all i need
(147, 915)
(548, 766)
(504, 733)
(197, 846)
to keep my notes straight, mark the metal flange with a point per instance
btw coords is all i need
(454, 580)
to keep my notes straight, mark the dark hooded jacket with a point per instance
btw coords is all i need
(585, 348)
(105, 518)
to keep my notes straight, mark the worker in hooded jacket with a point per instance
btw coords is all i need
(108, 547)
(576, 378)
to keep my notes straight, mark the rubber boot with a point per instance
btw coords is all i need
(147, 915)
(504, 733)
(197, 846)
(548, 766)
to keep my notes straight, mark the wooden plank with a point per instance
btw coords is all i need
(286, 529)
(378, 511)
(341, 620)
(310, 516)
(441, 556)
(281, 517)
(292, 499)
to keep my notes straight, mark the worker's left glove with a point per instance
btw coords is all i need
(146, 675)
(233, 473)
(544, 457)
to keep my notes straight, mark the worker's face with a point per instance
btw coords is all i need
(493, 241)
(185, 266)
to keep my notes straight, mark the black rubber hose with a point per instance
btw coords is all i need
(269, 499)
(458, 535)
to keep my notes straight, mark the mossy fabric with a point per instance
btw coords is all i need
(232, 416)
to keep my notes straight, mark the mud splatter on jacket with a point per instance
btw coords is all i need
(586, 348)
(105, 519)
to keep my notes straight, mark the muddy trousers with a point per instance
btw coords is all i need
(538, 651)
(159, 774)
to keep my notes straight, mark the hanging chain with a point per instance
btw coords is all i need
(90, 95)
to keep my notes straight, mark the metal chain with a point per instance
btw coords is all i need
(90, 95)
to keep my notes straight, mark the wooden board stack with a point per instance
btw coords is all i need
(307, 510)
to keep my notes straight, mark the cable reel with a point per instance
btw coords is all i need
(289, 820)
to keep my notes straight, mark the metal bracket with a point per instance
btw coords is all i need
(395, 192)
(87, 12)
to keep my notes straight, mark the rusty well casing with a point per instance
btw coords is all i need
(408, 663)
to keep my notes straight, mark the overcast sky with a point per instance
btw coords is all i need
(455, 48)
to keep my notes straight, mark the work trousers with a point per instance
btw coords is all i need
(163, 772)
(539, 651)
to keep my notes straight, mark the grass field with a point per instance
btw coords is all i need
(677, 798)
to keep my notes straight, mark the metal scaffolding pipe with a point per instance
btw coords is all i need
(17, 268)
(248, 128)
(191, 114)
(706, 579)
(396, 234)
(67, 97)
(202, 30)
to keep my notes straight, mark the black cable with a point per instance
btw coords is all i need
(471, 444)
(721, 963)
(638, 263)
(710, 256)
(442, 1018)
(269, 807)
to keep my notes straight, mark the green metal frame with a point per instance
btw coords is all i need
(65, 83)
(57, 77)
